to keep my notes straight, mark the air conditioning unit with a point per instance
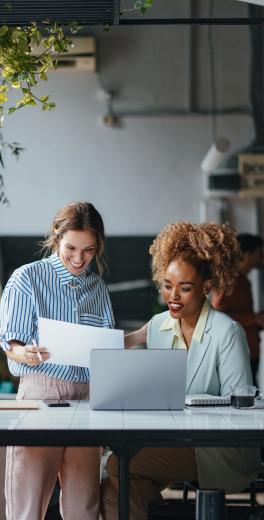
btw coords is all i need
(81, 57)
(88, 12)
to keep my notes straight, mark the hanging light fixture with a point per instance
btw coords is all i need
(215, 154)
(220, 145)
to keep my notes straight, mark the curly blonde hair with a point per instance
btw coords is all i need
(210, 248)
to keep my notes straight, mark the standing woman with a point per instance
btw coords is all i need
(59, 287)
(188, 261)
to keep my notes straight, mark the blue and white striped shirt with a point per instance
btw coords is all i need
(47, 289)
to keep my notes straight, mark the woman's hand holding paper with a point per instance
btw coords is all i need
(27, 353)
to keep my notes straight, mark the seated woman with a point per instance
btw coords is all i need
(188, 261)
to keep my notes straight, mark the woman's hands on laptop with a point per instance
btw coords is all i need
(139, 336)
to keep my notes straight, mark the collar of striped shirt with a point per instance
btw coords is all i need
(65, 275)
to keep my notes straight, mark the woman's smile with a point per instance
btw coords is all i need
(184, 291)
(76, 266)
(77, 249)
(174, 307)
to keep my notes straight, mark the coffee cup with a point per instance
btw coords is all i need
(244, 396)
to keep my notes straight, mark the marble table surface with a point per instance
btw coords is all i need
(79, 416)
(79, 425)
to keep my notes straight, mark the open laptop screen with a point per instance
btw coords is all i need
(138, 379)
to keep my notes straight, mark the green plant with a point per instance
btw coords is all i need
(20, 67)
(138, 6)
(16, 149)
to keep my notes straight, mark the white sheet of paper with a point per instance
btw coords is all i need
(71, 343)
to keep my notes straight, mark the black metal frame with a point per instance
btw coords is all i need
(136, 439)
(126, 443)
(191, 21)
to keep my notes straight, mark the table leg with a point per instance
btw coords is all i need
(123, 485)
(125, 452)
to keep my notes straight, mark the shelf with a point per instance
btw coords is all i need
(253, 176)
(252, 193)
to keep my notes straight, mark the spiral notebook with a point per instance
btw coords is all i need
(206, 400)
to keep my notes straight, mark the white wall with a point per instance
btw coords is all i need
(141, 176)
(145, 173)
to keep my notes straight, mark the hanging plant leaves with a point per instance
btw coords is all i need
(19, 67)
(44, 98)
(3, 31)
(138, 6)
(43, 76)
(32, 78)
(17, 62)
(47, 60)
(37, 36)
(15, 149)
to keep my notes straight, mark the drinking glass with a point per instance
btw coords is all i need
(244, 396)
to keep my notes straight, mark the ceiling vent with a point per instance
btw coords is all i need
(89, 12)
(81, 57)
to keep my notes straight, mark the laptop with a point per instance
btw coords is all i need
(140, 379)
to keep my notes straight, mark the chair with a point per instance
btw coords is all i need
(183, 509)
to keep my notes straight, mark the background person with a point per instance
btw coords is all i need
(187, 262)
(59, 287)
(239, 304)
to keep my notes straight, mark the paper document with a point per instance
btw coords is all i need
(71, 343)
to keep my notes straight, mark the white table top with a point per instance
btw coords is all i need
(79, 416)
(78, 425)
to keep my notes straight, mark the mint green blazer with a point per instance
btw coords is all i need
(221, 360)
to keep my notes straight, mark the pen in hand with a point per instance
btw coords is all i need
(38, 353)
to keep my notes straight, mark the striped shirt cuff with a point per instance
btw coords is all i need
(8, 336)
(5, 346)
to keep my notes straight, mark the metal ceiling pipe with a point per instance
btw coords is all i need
(192, 21)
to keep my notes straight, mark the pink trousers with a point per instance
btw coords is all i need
(31, 473)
